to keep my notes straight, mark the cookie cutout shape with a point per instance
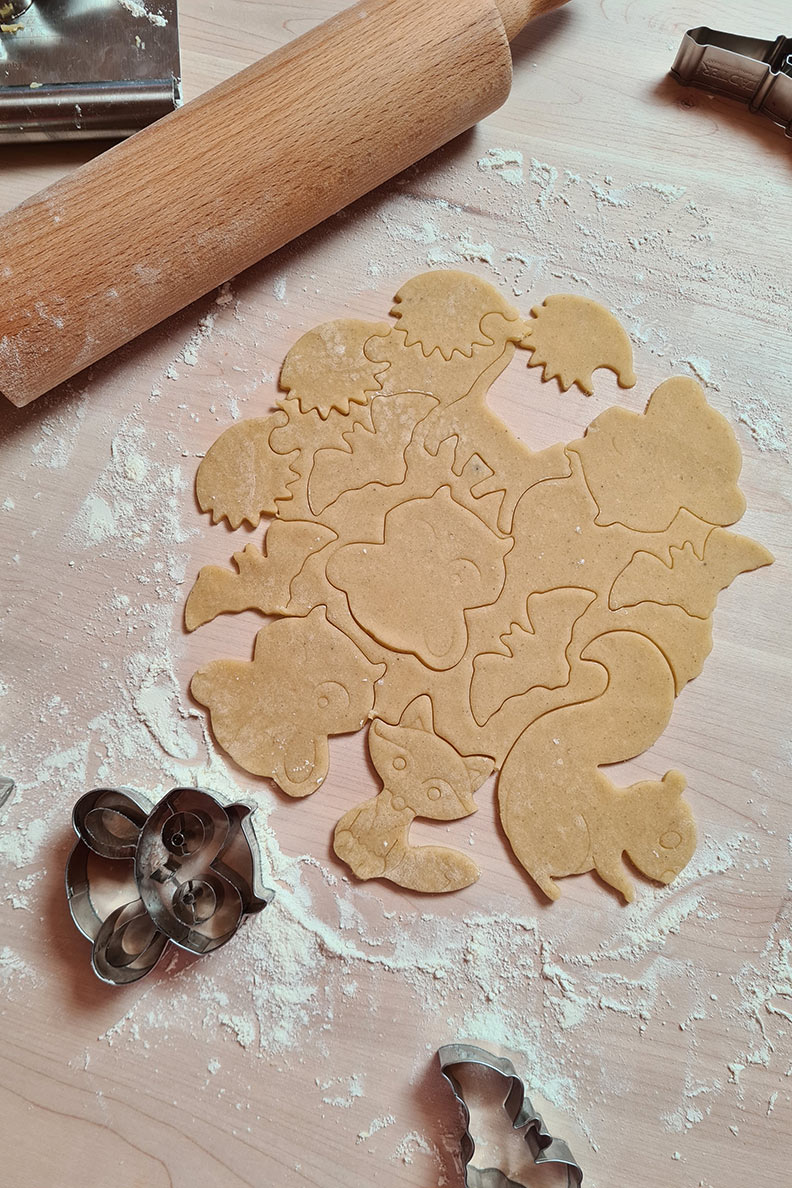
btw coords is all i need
(485, 605)
(572, 337)
(688, 580)
(328, 367)
(431, 543)
(679, 453)
(241, 477)
(562, 815)
(444, 311)
(274, 714)
(532, 656)
(372, 453)
(263, 579)
(422, 776)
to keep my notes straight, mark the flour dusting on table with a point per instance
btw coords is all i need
(125, 536)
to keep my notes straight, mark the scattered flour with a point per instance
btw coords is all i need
(14, 970)
(137, 9)
(189, 354)
(377, 1124)
(763, 421)
(508, 974)
(505, 164)
(354, 1089)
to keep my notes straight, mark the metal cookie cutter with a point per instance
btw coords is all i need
(543, 1147)
(6, 788)
(140, 876)
(70, 70)
(756, 72)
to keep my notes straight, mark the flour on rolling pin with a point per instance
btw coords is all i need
(208, 191)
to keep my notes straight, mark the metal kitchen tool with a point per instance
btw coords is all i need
(6, 788)
(75, 69)
(543, 1147)
(186, 870)
(753, 71)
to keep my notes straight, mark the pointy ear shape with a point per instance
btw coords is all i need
(418, 715)
(478, 768)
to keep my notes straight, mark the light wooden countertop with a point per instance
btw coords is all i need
(655, 1037)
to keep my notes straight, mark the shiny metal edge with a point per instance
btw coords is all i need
(518, 1106)
(753, 71)
(70, 112)
(71, 72)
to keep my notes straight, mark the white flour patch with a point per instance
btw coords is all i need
(136, 9)
(14, 970)
(506, 164)
(377, 1125)
(189, 353)
(353, 1089)
(575, 1014)
(763, 421)
(95, 521)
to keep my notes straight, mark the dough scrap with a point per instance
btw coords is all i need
(484, 605)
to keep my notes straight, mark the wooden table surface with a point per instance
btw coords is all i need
(656, 1037)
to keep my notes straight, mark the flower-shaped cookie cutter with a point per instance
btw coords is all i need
(185, 870)
(520, 1110)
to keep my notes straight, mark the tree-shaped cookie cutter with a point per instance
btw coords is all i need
(543, 1147)
(141, 876)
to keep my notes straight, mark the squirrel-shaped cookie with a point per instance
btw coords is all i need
(422, 776)
(562, 815)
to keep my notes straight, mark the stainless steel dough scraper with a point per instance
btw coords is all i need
(75, 69)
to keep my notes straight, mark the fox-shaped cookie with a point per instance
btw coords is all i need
(422, 776)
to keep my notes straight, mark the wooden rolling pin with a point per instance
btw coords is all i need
(168, 215)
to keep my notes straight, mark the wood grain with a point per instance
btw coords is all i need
(176, 210)
(154, 1086)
